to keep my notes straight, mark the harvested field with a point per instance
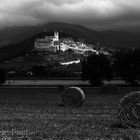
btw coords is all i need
(35, 113)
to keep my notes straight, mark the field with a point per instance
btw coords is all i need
(36, 114)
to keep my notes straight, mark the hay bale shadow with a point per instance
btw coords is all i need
(117, 125)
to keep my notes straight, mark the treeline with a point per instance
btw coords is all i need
(41, 71)
(123, 64)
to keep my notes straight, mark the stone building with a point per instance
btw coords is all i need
(49, 43)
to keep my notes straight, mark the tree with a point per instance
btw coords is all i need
(2, 76)
(38, 70)
(127, 66)
(96, 68)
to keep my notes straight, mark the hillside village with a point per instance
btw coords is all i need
(56, 54)
(55, 43)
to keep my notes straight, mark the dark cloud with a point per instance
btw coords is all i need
(100, 14)
(62, 2)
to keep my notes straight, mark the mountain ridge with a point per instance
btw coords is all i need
(108, 38)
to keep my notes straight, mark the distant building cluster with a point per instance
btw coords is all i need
(49, 43)
(54, 44)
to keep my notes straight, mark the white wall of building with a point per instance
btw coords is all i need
(63, 47)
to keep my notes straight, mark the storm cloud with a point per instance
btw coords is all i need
(99, 14)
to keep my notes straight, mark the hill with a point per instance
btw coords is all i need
(12, 35)
(19, 40)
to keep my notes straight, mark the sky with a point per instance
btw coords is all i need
(96, 14)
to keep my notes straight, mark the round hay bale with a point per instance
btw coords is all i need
(73, 96)
(109, 89)
(129, 110)
(61, 88)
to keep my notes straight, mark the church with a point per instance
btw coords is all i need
(49, 43)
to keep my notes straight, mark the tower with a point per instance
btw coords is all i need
(56, 36)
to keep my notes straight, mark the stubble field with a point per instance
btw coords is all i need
(36, 114)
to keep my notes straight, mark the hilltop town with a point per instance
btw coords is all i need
(58, 55)
(55, 43)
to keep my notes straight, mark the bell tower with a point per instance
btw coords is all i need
(56, 36)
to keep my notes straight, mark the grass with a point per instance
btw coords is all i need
(35, 113)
